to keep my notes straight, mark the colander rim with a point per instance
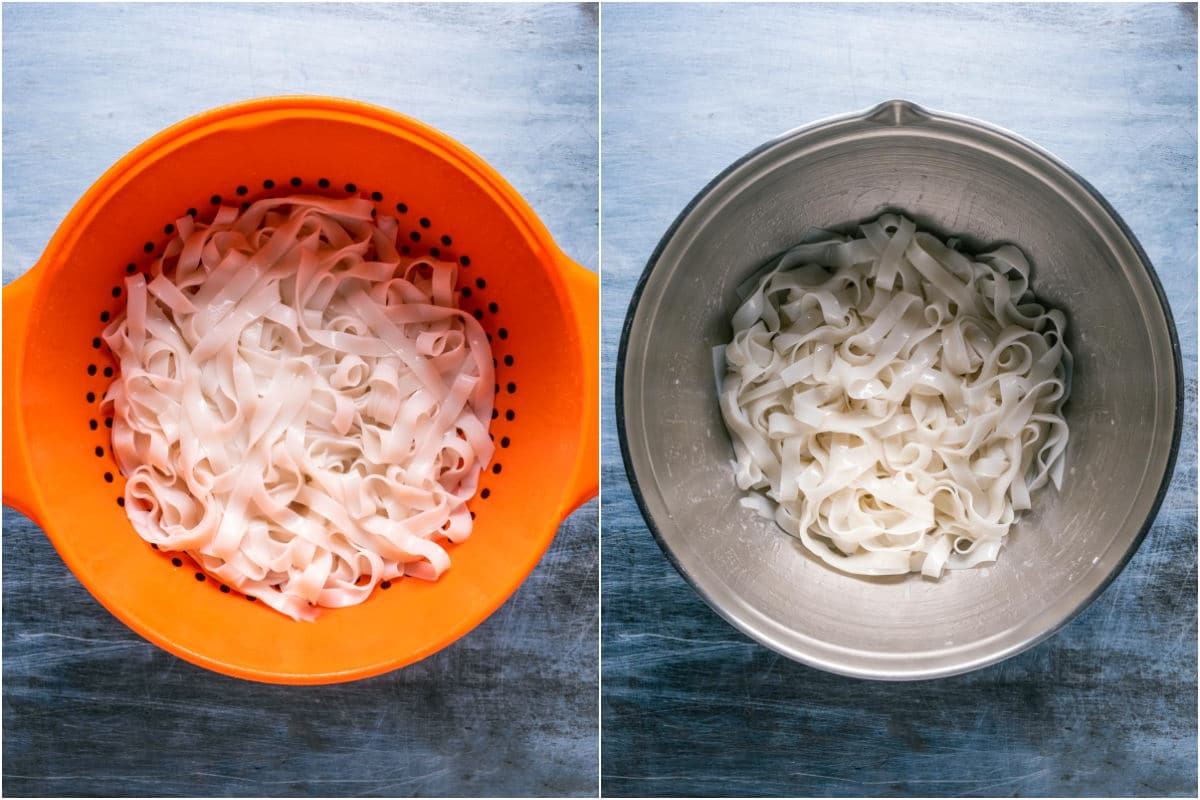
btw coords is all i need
(152, 147)
(511, 203)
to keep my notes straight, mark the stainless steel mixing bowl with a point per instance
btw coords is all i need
(951, 175)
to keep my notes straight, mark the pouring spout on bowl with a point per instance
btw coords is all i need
(897, 113)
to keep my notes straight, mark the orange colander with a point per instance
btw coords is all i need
(539, 308)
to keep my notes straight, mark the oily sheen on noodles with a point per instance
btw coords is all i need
(893, 402)
(300, 407)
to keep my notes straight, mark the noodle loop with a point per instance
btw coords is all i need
(298, 406)
(893, 403)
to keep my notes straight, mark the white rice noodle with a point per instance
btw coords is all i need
(896, 401)
(300, 407)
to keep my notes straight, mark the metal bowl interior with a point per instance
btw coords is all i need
(952, 176)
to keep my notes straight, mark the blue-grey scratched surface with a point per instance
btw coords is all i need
(91, 708)
(691, 706)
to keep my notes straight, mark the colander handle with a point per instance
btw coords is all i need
(583, 289)
(18, 487)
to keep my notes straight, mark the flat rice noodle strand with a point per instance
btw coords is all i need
(894, 403)
(299, 407)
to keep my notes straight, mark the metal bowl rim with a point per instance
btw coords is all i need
(900, 106)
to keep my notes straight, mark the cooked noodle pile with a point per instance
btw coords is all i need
(893, 402)
(300, 407)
